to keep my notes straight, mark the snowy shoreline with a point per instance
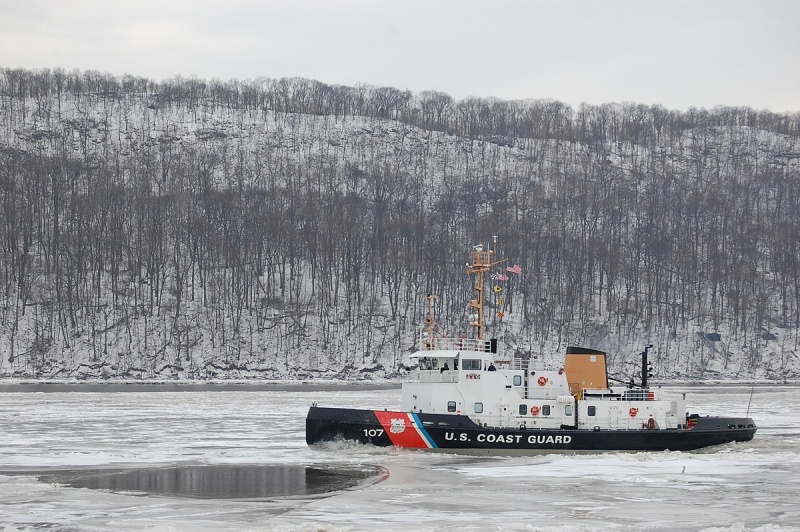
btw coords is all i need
(50, 385)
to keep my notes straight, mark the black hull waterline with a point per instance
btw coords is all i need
(459, 433)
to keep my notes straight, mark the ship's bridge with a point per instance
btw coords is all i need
(446, 358)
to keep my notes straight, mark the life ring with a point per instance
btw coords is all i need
(534, 410)
(633, 411)
(542, 380)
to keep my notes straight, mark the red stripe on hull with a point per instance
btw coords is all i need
(400, 428)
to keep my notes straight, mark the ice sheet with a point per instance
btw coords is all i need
(750, 486)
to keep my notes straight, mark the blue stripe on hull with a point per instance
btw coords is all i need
(424, 432)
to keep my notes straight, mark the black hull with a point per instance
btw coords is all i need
(459, 433)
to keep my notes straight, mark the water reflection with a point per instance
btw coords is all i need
(221, 481)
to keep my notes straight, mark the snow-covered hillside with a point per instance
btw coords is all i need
(279, 229)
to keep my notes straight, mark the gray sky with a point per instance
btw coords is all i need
(678, 53)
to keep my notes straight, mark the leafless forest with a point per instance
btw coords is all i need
(290, 229)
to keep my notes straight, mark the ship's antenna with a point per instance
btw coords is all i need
(750, 401)
(481, 263)
(430, 323)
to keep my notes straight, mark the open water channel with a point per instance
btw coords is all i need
(233, 457)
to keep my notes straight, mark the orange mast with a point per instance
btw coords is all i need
(481, 263)
(430, 323)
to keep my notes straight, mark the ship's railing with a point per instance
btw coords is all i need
(511, 421)
(521, 364)
(459, 344)
(486, 420)
(635, 394)
(550, 423)
(639, 394)
(438, 376)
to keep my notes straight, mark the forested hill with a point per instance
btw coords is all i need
(286, 228)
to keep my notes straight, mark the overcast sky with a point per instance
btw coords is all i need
(678, 53)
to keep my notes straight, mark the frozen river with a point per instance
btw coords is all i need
(750, 486)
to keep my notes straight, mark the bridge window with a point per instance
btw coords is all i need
(479, 408)
(451, 406)
(592, 411)
(517, 380)
(545, 410)
(471, 364)
(428, 364)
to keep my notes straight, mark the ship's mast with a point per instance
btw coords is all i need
(481, 263)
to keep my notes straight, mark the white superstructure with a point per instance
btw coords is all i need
(496, 393)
